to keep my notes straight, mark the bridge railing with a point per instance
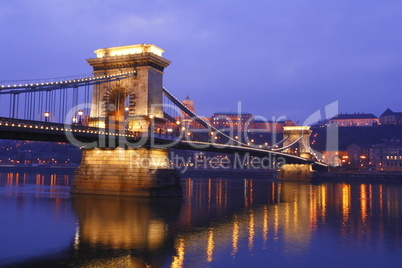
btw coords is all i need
(58, 83)
(13, 83)
(54, 98)
(10, 122)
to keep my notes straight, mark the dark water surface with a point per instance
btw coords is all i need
(220, 222)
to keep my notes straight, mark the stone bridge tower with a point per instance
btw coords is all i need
(128, 103)
(294, 133)
(300, 148)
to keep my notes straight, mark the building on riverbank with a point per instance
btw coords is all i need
(355, 120)
(387, 156)
(390, 117)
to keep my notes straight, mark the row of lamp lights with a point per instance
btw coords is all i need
(80, 114)
(74, 119)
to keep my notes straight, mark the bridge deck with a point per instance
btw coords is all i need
(88, 137)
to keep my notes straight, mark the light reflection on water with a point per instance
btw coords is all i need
(220, 222)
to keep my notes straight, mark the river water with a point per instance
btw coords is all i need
(220, 222)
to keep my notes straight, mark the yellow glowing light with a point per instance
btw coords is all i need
(323, 201)
(251, 232)
(299, 128)
(178, 260)
(235, 238)
(210, 246)
(265, 225)
(363, 202)
(129, 50)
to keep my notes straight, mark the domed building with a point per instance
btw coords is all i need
(189, 103)
(185, 118)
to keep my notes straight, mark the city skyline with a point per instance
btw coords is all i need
(278, 59)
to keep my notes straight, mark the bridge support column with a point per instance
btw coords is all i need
(126, 172)
(134, 104)
(300, 133)
(296, 172)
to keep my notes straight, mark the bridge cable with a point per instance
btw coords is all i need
(287, 146)
(17, 105)
(172, 98)
(60, 104)
(274, 145)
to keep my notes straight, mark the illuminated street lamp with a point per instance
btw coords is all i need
(151, 129)
(213, 137)
(80, 113)
(126, 112)
(177, 128)
(47, 114)
(74, 120)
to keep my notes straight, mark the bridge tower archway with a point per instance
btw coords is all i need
(142, 92)
(118, 105)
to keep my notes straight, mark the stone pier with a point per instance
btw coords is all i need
(126, 172)
(296, 172)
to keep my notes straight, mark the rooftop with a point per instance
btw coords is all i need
(389, 143)
(270, 122)
(355, 116)
(127, 50)
(230, 113)
(389, 112)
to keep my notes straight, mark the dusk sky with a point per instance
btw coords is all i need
(278, 57)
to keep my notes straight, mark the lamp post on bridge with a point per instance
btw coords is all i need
(213, 137)
(47, 114)
(182, 134)
(151, 126)
(177, 128)
(126, 114)
(80, 113)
